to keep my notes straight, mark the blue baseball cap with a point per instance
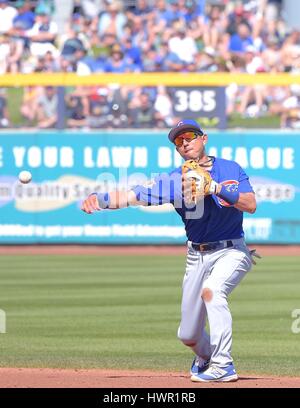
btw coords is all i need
(186, 125)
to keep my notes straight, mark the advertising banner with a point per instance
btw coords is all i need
(67, 166)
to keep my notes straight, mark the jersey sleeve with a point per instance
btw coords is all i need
(244, 184)
(165, 188)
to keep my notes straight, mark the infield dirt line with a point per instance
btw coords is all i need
(268, 250)
(108, 378)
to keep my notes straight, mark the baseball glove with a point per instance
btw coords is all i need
(196, 182)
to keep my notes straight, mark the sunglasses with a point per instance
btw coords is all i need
(188, 136)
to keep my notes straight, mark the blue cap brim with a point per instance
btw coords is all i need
(178, 130)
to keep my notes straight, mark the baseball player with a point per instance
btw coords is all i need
(210, 195)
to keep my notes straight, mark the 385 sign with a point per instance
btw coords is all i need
(195, 100)
(206, 104)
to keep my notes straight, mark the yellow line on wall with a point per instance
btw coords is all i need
(148, 79)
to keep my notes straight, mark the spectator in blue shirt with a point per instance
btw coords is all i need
(241, 40)
(132, 52)
(118, 63)
(173, 13)
(143, 9)
(168, 60)
(25, 18)
(193, 9)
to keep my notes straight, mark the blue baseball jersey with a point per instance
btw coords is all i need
(211, 220)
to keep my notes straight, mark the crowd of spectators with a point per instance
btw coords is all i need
(111, 36)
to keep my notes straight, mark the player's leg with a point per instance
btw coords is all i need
(193, 312)
(229, 266)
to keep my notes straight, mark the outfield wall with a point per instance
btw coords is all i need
(66, 166)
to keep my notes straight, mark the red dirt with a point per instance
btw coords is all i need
(62, 378)
(267, 250)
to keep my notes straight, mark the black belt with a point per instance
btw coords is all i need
(211, 246)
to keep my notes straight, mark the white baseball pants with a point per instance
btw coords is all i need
(210, 277)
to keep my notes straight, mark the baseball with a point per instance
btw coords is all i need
(25, 176)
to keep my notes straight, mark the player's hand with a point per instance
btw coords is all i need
(90, 204)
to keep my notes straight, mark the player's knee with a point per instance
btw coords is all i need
(216, 296)
(189, 343)
(207, 294)
(186, 340)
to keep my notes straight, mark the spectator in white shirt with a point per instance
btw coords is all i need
(47, 108)
(7, 14)
(42, 35)
(182, 44)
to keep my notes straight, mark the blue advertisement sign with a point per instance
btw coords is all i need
(67, 166)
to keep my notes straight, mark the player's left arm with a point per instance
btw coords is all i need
(242, 201)
(246, 202)
(243, 198)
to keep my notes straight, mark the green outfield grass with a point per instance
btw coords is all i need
(123, 312)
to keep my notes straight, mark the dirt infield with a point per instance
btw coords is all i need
(264, 250)
(59, 378)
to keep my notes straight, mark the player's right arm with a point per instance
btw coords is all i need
(165, 188)
(112, 201)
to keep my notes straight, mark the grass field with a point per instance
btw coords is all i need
(123, 312)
